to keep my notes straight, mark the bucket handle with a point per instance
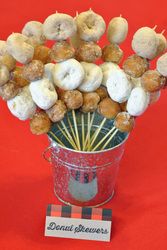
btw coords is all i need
(48, 150)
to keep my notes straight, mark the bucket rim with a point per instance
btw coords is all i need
(54, 144)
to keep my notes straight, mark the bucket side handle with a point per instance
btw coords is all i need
(47, 154)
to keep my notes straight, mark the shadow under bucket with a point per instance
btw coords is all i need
(86, 178)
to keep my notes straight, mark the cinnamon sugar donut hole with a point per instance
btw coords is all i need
(154, 97)
(88, 52)
(9, 90)
(57, 111)
(135, 65)
(108, 108)
(62, 51)
(124, 122)
(42, 53)
(152, 81)
(60, 92)
(123, 106)
(17, 76)
(40, 123)
(90, 102)
(73, 99)
(4, 75)
(33, 71)
(5, 58)
(112, 53)
(102, 92)
(8, 61)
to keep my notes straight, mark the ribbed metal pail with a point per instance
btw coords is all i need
(86, 178)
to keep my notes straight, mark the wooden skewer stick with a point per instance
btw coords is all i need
(74, 146)
(96, 133)
(163, 32)
(76, 129)
(87, 135)
(88, 130)
(107, 142)
(68, 134)
(83, 130)
(56, 138)
(154, 27)
(72, 130)
(103, 139)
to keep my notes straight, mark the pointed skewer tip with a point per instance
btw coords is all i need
(163, 32)
(155, 27)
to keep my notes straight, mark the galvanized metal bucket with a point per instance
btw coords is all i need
(86, 178)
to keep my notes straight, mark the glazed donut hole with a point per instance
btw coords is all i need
(75, 40)
(68, 75)
(90, 102)
(22, 105)
(112, 53)
(48, 71)
(3, 48)
(102, 92)
(92, 78)
(118, 86)
(34, 31)
(117, 30)
(33, 71)
(136, 81)
(9, 90)
(145, 43)
(43, 93)
(4, 75)
(152, 81)
(62, 51)
(19, 48)
(73, 99)
(162, 65)
(162, 44)
(135, 65)
(17, 76)
(90, 26)
(108, 108)
(138, 101)
(40, 123)
(57, 111)
(124, 122)
(88, 52)
(59, 27)
(42, 53)
(107, 70)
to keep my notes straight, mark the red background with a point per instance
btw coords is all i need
(140, 203)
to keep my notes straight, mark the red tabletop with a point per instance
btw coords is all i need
(140, 202)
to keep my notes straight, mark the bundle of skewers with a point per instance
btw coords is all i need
(63, 89)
